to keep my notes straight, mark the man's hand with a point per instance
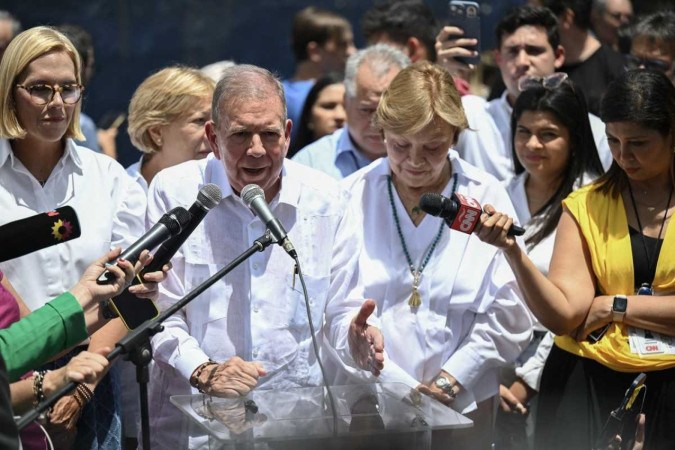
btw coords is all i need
(365, 341)
(449, 45)
(233, 378)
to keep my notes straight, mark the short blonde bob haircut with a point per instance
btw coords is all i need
(419, 95)
(21, 51)
(162, 98)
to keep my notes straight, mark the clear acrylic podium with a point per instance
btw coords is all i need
(371, 416)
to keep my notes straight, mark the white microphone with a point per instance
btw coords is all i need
(254, 197)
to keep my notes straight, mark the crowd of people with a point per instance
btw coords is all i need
(534, 338)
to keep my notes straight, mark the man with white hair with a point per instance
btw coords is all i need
(251, 329)
(348, 149)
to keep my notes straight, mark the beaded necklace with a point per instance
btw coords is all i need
(415, 298)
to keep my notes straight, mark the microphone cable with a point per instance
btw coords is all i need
(316, 345)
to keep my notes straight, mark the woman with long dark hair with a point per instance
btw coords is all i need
(610, 292)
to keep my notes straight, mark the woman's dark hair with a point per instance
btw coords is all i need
(644, 97)
(306, 136)
(568, 105)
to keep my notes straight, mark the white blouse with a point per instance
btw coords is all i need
(472, 319)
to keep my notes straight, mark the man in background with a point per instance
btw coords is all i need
(589, 63)
(653, 43)
(322, 41)
(358, 143)
(9, 27)
(607, 16)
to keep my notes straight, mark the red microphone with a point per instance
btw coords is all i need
(460, 212)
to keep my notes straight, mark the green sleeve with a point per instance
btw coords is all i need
(33, 340)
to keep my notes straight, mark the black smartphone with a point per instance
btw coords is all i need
(111, 119)
(466, 15)
(133, 310)
(623, 420)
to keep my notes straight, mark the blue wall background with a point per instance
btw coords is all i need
(134, 38)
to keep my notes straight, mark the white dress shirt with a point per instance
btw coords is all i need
(531, 370)
(487, 142)
(110, 208)
(256, 312)
(472, 319)
(134, 171)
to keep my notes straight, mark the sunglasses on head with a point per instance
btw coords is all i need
(551, 81)
(633, 62)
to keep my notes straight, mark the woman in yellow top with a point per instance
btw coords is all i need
(612, 276)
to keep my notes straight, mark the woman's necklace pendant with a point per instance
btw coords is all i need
(415, 298)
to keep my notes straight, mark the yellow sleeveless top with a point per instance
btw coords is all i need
(603, 224)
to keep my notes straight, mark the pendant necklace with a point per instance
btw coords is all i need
(415, 298)
(647, 288)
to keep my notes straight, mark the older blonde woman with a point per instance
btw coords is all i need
(167, 114)
(449, 303)
(42, 169)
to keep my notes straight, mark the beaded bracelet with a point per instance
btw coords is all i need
(38, 384)
(83, 394)
(194, 379)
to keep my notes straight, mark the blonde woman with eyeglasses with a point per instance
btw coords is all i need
(41, 169)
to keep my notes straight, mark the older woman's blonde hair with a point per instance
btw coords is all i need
(163, 97)
(419, 95)
(21, 51)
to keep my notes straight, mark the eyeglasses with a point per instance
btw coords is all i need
(633, 62)
(43, 94)
(549, 81)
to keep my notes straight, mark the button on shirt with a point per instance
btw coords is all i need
(471, 320)
(487, 143)
(334, 154)
(257, 311)
(110, 208)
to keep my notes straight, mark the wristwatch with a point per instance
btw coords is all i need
(447, 386)
(619, 308)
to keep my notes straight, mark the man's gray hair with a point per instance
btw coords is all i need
(381, 58)
(16, 25)
(246, 82)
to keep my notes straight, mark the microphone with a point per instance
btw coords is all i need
(254, 198)
(208, 197)
(460, 212)
(133, 310)
(37, 232)
(169, 225)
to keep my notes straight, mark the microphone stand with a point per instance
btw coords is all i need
(136, 344)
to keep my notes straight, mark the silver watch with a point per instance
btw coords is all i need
(444, 384)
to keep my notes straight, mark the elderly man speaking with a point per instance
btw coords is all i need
(250, 330)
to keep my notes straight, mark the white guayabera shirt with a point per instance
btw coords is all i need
(256, 312)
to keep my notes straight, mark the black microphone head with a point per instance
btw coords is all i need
(209, 196)
(250, 193)
(438, 205)
(175, 219)
(37, 232)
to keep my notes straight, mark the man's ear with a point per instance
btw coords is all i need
(416, 50)
(212, 137)
(559, 57)
(313, 52)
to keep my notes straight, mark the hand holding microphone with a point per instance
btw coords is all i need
(464, 214)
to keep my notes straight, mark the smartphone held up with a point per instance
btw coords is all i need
(466, 15)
